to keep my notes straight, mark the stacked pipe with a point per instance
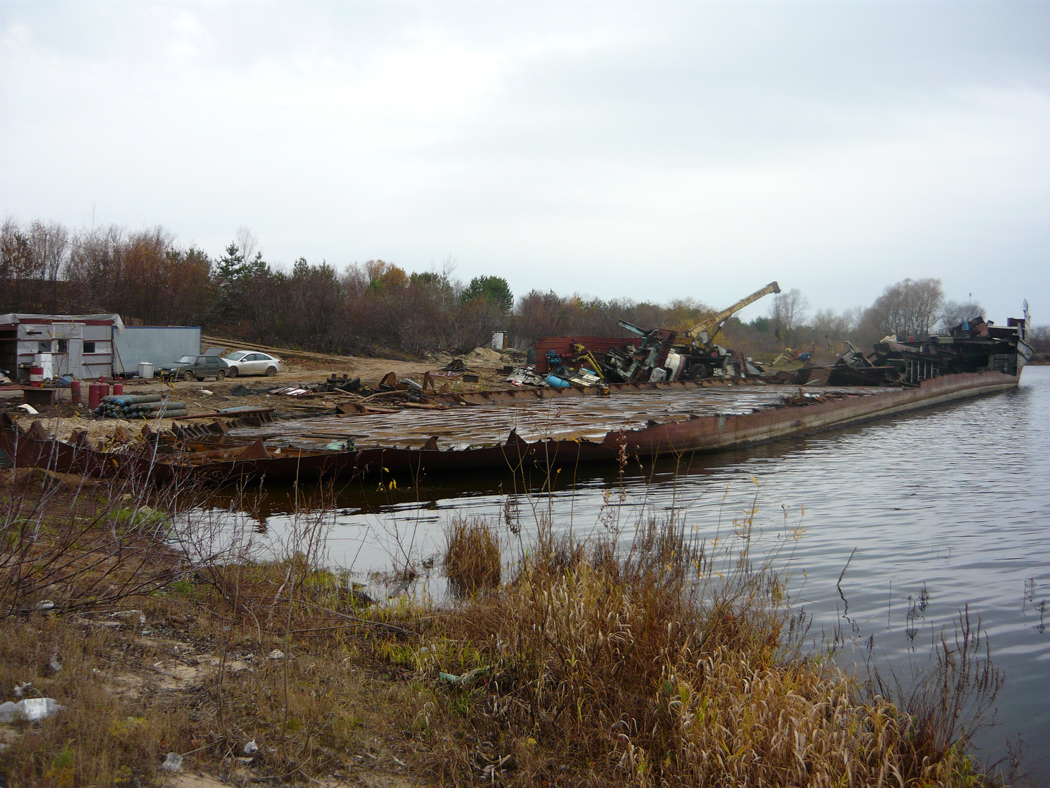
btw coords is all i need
(141, 406)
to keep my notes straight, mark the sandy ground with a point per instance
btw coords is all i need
(210, 395)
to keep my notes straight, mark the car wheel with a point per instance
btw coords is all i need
(188, 375)
(220, 375)
(271, 371)
(232, 372)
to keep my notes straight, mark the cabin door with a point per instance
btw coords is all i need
(69, 359)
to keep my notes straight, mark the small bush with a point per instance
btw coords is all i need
(472, 556)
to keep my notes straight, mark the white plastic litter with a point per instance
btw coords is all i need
(172, 763)
(32, 709)
(251, 748)
(36, 709)
(132, 614)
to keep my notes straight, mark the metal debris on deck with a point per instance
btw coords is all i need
(599, 412)
(532, 419)
(291, 391)
(655, 355)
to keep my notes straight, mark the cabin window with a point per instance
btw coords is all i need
(43, 347)
(63, 346)
(89, 347)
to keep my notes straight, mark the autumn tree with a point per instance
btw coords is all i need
(537, 315)
(19, 280)
(50, 244)
(955, 312)
(313, 301)
(828, 330)
(429, 312)
(908, 308)
(96, 270)
(148, 283)
(788, 314)
(33, 260)
(385, 277)
(1039, 337)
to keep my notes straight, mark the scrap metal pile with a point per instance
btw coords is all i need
(351, 392)
(974, 345)
(659, 355)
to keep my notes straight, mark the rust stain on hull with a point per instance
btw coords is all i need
(682, 426)
(715, 433)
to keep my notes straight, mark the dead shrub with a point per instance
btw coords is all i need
(651, 666)
(71, 543)
(945, 707)
(473, 561)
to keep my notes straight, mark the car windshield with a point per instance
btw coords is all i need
(186, 360)
(237, 355)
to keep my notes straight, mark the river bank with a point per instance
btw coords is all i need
(669, 661)
(906, 523)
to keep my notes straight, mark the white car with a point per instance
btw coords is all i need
(251, 362)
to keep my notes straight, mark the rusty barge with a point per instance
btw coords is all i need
(543, 428)
(654, 420)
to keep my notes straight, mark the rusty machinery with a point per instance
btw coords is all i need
(685, 355)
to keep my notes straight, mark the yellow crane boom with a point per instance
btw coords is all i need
(700, 334)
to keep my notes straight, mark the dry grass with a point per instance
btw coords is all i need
(650, 669)
(101, 737)
(157, 656)
(659, 664)
(473, 561)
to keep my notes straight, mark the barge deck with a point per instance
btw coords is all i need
(506, 433)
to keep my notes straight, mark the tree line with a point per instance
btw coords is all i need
(378, 307)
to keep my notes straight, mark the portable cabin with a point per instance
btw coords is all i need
(88, 346)
(77, 345)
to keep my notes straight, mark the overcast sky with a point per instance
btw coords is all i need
(642, 149)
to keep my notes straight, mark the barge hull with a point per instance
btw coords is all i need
(237, 464)
(717, 433)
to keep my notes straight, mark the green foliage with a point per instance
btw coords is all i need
(233, 269)
(429, 279)
(235, 275)
(761, 324)
(491, 288)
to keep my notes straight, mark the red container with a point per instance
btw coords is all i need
(96, 391)
(74, 391)
(118, 389)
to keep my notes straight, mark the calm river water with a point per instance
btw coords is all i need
(940, 510)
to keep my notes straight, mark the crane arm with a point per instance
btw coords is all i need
(697, 333)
